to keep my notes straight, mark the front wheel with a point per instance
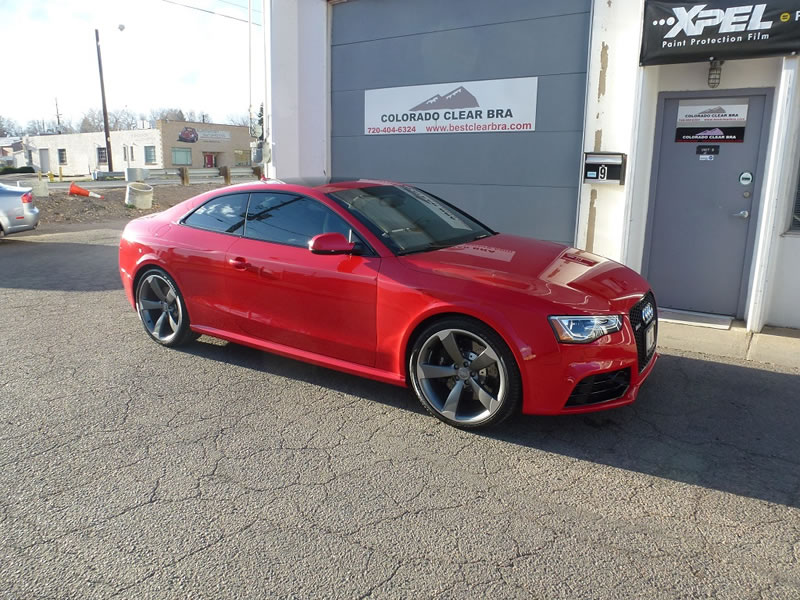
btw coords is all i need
(162, 310)
(464, 373)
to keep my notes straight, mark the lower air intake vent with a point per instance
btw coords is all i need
(600, 388)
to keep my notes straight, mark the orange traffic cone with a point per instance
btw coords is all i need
(76, 190)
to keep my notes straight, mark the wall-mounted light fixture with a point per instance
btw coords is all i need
(715, 73)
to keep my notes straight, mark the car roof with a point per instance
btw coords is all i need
(274, 184)
(350, 185)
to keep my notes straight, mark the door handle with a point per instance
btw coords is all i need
(238, 263)
(742, 214)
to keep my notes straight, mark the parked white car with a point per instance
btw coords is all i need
(18, 211)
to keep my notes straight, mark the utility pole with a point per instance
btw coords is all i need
(58, 117)
(105, 110)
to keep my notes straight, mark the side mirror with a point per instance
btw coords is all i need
(330, 243)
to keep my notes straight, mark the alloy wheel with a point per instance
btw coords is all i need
(159, 307)
(461, 376)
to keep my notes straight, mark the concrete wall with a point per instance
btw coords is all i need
(220, 140)
(299, 91)
(521, 182)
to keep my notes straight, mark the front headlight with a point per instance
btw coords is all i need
(582, 330)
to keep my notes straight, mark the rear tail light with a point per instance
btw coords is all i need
(27, 198)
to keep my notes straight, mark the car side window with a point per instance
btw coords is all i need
(290, 219)
(225, 214)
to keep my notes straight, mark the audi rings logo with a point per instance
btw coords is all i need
(648, 313)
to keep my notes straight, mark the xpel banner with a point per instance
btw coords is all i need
(488, 106)
(678, 32)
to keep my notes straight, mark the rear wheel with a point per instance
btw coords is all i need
(464, 374)
(162, 310)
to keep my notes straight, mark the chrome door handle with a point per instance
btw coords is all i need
(742, 214)
(238, 263)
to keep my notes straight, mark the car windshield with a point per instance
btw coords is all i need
(409, 220)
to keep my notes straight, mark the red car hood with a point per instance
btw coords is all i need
(552, 272)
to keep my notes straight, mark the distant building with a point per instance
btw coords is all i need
(11, 152)
(169, 145)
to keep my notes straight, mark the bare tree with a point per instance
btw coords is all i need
(171, 114)
(9, 127)
(240, 119)
(92, 121)
(119, 120)
(40, 127)
(66, 126)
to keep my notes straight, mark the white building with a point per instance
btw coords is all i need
(709, 209)
(83, 153)
(169, 144)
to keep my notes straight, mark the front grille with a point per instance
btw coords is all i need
(640, 328)
(600, 388)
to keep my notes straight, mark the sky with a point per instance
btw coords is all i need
(166, 56)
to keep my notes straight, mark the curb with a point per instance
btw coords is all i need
(774, 345)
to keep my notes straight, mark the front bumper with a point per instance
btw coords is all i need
(556, 383)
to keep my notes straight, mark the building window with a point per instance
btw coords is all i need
(795, 226)
(241, 158)
(124, 152)
(149, 155)
(102, 156)
(62, 156)
(181, 156)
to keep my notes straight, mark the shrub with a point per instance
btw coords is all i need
(11, 170)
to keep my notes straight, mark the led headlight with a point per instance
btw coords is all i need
(582, 330)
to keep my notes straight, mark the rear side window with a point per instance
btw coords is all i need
(224, 214)
(290, 219)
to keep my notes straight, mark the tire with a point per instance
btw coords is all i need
(464, 373)
(162, 310)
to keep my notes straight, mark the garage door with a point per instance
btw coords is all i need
(522, 180)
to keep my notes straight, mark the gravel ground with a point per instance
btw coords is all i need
(60, 207)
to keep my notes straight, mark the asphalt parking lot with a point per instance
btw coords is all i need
(216, 471)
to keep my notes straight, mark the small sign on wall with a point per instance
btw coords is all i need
(721, 121)
(604, 167)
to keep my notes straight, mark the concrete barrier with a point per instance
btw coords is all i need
(136, 174)
(139, 195)
(40, 188)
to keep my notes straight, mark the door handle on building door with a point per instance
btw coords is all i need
(742, 214)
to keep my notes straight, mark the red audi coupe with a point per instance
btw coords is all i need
(386, 281)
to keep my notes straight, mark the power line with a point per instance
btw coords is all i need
(238, 5)
(211, 12)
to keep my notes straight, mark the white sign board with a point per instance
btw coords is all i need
(213, 135)
(489, 106)
(711, 120)
(705, 113)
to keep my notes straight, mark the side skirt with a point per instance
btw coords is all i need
(304, 356)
